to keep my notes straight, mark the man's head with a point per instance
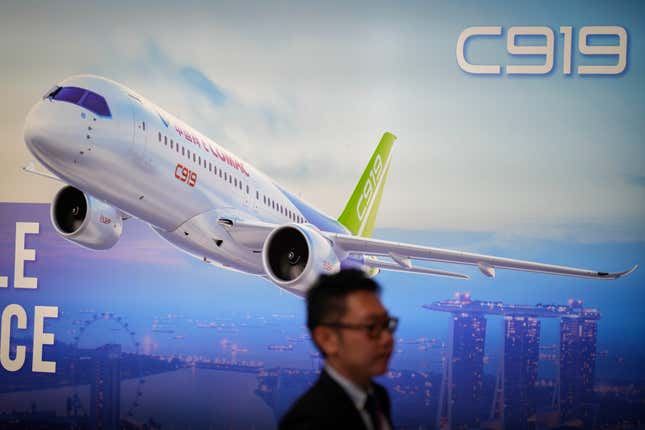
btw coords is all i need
(350, 326)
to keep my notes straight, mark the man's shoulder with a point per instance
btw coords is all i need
(324, 404)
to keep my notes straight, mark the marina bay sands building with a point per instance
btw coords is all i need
(514, 405)
(578, 335)
(520, 370)
(465, 369)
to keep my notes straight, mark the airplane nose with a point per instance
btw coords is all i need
(52, 131)
(37, 131)
(30, 131)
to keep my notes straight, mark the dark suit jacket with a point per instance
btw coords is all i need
(327, 406)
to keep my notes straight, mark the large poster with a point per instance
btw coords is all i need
(518, 135)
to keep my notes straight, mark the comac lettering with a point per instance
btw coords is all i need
(206, 146)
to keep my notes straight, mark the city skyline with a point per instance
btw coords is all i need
(523, 330)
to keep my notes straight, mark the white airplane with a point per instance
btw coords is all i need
(121, 156)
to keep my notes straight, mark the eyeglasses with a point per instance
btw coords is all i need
(373, 330)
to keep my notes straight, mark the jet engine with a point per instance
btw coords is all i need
(295, 255)
(85, 220)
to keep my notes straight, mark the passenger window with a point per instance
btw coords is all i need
(183, 150)
(257, 195)
(159, 134)
(165, 140)
(247, 189)
(210, 166)
(235, 182)
(225, 176)
(188, 153)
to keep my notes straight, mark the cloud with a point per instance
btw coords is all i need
(639, 181)
(204, 85)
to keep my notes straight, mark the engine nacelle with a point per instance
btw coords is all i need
(295, 255)
(85, 220)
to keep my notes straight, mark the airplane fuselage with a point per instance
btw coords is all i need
(152, 166)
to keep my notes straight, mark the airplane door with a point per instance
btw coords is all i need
(248, 198)
(140, 131)
(246, 185)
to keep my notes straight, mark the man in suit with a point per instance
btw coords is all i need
(354, 334)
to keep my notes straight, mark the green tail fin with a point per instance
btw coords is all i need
(359, 214)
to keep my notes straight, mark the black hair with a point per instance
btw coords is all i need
(326, 298)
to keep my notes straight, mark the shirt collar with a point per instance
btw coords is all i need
(356, 393)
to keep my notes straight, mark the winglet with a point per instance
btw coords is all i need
(617, 275)
(359, 214)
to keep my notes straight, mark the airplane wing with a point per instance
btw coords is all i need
(486, 263)
(252, 235)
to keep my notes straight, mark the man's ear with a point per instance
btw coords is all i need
(327, 339)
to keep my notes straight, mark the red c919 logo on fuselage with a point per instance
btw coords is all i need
(184, 174)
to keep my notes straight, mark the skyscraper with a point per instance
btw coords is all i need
(520, 370)
(105, 388)
(466, 370)
(578, 335)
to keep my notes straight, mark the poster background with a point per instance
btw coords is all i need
(544, 168)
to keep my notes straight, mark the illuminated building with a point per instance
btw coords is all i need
(578, 335)
(520, 371)
(105, 388)
(466, 370)
(514, 401)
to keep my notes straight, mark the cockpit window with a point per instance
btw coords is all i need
(82, 97)
(52, 92)
(96, 104)
(70, 94)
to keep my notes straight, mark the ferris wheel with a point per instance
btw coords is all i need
(118, 324)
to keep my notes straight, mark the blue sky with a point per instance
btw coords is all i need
(301, 90)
